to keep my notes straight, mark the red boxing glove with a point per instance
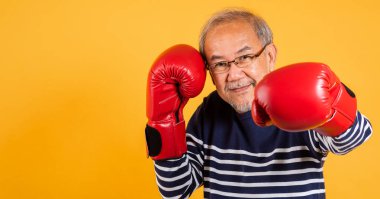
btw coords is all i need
(304, 96)
(177, 75)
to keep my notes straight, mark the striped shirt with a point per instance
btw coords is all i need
(232, 157)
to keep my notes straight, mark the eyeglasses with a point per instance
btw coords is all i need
(241, 62)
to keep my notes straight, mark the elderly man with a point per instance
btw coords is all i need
(263, 133)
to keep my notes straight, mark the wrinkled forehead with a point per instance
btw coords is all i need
(229, 39)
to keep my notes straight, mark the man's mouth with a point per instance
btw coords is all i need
(240, 87)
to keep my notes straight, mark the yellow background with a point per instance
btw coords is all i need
(73, 79)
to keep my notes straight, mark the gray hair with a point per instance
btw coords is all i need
(264, 33)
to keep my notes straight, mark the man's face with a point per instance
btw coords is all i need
(227, 41)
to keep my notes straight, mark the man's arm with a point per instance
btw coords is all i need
(307, 96)
(179, 178)
(353, 137)
(177, 75)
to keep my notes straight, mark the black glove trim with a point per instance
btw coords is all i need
(349, 91)
(153, 141)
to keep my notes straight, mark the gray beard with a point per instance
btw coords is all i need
(241, 108)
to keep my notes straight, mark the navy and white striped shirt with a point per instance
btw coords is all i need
(234, 158)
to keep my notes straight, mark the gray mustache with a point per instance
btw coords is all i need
(234, 85)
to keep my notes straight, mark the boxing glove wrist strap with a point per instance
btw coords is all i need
(344, 113)
(165, 140)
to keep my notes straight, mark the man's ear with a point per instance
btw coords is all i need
(271, 55)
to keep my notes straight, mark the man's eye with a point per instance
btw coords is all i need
(221, 64)
(245, 58)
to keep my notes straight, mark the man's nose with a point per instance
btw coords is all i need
(235, 72)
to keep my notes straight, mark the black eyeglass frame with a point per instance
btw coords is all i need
(235, 61)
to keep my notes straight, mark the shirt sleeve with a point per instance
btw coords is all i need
(353, 137)
(179, 178)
